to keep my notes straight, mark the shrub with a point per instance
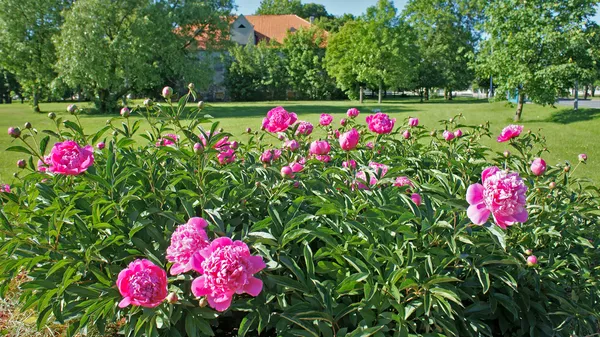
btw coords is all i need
(382, 245)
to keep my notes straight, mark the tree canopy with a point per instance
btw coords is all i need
(526, 43)
(114, 48)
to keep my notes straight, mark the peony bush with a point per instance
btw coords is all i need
(383, 229)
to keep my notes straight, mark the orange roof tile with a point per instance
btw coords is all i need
(275, 27)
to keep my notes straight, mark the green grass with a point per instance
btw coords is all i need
(568, 132)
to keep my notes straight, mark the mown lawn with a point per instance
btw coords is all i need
(568, 133)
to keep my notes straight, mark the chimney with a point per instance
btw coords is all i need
(311, 19)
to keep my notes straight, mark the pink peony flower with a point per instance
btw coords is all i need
(270, 155)
(352, 112)
(380, 123)
(538, 167)
(337, 134)
(502, 195)
(166, 140)
(458, 133)
(509, 132)
(287, 172)
(296, 167)
(406, 134)
(448, 135)
(582, 157)
(5, 188)
(226, 155)
(362, 177)
(412, 122)
(349, 140)
(380, 169)
(343, 122)
(319, 147)
(291, 145)
(227, 268)
(219, 144)
(100, 146)
(278, 120)
(304, 128)
(403, 181)
(68, 158)
(325, 119)
(323, 157)
(416, 198)
(349, 164)
(42, 166)
(370, 145)
(143, 284)
(532, 261)
(186, 243)
(302, 160)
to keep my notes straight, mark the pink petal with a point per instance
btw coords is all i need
(503, 221)
(478, 213)
(197, 259)
(199, 287)
(177, 268)
(198, 222)
(475, 194)
(521, 216)
(488, 172)
(220, 303)
(255, 264)
(253, 287)
(124, 302)
(220, 242)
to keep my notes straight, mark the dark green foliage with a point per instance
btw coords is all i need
(340, 261)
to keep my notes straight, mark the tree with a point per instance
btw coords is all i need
(8, 86)
(271, 7)
(526, 44)
(333, 24)
(117, 47)
(314, 10)
(26, 49)
(255, 72)
(372, 50)
(304, 51)
(445, 39)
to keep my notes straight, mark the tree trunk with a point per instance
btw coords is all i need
(36, 100)
(361, 94)
(427, 93)
(593, 89)
(421, 94)
(450, 94)
(445, 94)
(103, 97)
(520, 103)
(585, 93)
(380, 92)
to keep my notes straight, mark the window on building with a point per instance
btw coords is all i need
(241, 26)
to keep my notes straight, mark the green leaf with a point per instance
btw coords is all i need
(44, 145)
(497, 234)
(19, 148)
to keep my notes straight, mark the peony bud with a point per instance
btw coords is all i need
(432, 133)
(72, 109)
(248, 130)
(100, 146)
(198, 148)
(458, 133)
(532, 261)
(412, 122)
(286, 172)
(567, 168)
(583, 157)
(191, 86)
(506, 154)
(528, 252)
(234, 145)
(167, 92)
(296, 184)
(201, 105)
(343, 121)
(172, 298)
(115, 133)
(406, 134)
(21, 163)
(552, 185)
(148, 102)
(51, 115)
(451, 120)
(28, 126)
(416, 198)
(14, 132)
(125, 112)
(203, 302)
(538, 167)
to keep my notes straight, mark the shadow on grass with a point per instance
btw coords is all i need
(573, 116)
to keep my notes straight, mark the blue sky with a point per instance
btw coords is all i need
(335, 7)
